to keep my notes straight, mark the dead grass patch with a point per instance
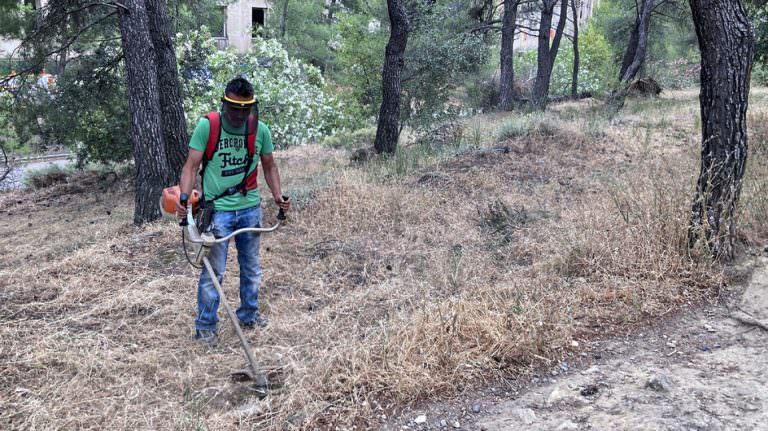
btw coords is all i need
(386, 287)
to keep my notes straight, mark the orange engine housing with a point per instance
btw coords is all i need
(171, 196)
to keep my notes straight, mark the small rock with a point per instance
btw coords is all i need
(251, 409)
(526, 416)
(443, 423)
(476, 408)
(574, 343)
(456, 424)
(564, 366)
(567, 425)
(671, 345)
(589, 390)
(659, 383)
(709, 328)
(420, 419)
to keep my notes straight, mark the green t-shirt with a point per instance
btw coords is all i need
(226, 167)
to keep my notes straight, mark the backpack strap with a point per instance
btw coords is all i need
(250, 181)
(214, 120)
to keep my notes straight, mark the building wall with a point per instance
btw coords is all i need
(239, 29)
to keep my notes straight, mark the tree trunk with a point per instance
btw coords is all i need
(507, 80)
(388, 130)
(152, 172)
(638, 43)
(575, 73)
(547, 54)
(283, 18)
(171, 101)
(726, 42)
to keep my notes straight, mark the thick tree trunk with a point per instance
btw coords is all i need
(547, 54)
(638, 43)
(152, 171)
(388, 130)
(171, 101)
(726, 42)
(575, 73)
(507, 80)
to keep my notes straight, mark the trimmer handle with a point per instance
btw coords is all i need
(281, 213)
(184, 201)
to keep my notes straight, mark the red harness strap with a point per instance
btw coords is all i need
(250, 181)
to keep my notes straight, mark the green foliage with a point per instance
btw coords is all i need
(361, 59)
(309, 32)
(597, 70)
(441, 56)
(9, 141)
(187, 15)
(758, 12)
(46, 177)
(354, 139)
(293, 98)
(672, 43)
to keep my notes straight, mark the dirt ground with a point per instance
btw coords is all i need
(703, 370)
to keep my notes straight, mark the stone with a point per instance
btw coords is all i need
(420, 419)
(526, 416)
(456, 424)
(567, 425)
(659, 383)
(476, 408)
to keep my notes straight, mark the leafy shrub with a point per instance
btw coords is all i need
(597, 71)
(293, 98)
(45, 177)
(354, 139)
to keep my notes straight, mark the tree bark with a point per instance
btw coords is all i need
(283, 18)
(547, 54)
(726, 42)
(152, 171)
(634, 57)
(575, 72)
(171, 101)
(507, 79)
(388, 130)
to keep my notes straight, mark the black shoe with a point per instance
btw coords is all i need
(258, 322)
(207, 337)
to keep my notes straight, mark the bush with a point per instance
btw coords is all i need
(45, 177)
(597, 71)
(355, 139)
(293, 98)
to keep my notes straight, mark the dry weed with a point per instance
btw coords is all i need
(382, 290)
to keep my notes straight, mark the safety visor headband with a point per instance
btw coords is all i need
(240, 104)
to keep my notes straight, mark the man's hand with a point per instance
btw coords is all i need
(181, 210)
(283, 204)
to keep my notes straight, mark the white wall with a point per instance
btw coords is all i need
(239, 23)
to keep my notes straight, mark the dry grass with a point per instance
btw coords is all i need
(391, 284)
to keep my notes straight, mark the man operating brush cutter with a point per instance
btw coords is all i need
(227, 145)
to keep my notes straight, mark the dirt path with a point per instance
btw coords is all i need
(702, 371)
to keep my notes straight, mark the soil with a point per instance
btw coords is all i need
(703, 370)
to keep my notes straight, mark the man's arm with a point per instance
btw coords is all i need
(272, 176)
(188, 173)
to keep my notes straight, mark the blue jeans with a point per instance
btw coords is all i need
(224, 223)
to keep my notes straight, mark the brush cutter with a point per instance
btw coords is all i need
(201, 245)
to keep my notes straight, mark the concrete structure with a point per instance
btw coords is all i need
(525, 41)
(242, 17)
